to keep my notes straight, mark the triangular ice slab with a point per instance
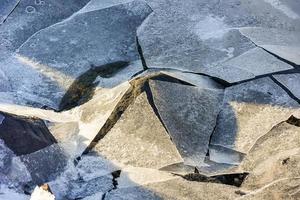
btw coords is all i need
(189, 114)
(139, 139)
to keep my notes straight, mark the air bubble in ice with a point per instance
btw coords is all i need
(30, 9)
(39, 2)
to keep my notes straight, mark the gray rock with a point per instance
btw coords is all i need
(189, 114)
(46, 164)
(6, 8)
(139, 139)
(197, 35)
(249, 111)
(279, 150)
(291, 82)
(283, 43)
(175, 189)
(250, 64)
(30, 16)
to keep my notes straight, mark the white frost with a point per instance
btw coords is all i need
(211, 27)
(9, 194)
(283, 8)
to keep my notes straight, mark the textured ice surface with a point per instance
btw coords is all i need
(278, 147)
(189, 114)
(10, 194)
(30, 16)
(84, 122)
(218, 97)
(291, 82)
(198, 36)
(174, 189)
(249, 111)
(248, 65)
(140, 138)
(69, 50)
(90, 176)
(6, 7)
(283, 8)
(283, 43)
(87, 40)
